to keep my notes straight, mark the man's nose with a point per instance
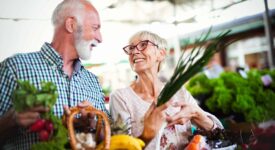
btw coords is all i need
(99, 37)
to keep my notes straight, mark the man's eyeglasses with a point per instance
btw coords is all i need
(142, 45)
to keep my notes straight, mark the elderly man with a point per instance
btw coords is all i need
(76, 32)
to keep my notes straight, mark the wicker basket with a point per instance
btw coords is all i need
(101, 119)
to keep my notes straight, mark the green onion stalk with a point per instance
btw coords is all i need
(189, 65)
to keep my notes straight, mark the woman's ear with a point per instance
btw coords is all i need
(70, 24)
(162, 54)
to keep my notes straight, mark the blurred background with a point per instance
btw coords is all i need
(25, 25)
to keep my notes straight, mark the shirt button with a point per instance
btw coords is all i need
(54, 67)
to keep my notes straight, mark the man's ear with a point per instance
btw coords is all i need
(162, 54)
(70, 24)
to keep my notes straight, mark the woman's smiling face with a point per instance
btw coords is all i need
(146, 52)
(147, 59)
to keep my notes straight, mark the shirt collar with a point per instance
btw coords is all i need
(77, 65)
(54, 58)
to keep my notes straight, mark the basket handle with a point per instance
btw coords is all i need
(101, 117)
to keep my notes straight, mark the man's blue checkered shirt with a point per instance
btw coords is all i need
(46, 65)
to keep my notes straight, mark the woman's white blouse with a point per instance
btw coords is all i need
(126, 103)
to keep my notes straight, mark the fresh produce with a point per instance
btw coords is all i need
(49, 126)
(52, 134)
(45, 128)
(260, 138)
(219, 138)
(120, 138)
(85, 141)
(263, 138)
(120, 126)
(125, 142)
(27, 95)
(102, 124)
(44, 135)
(231, 94)
(191, 64)
(38, 125)
(57, 139)
(194, 143)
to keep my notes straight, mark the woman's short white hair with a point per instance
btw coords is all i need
(68, 8)
(147, 35)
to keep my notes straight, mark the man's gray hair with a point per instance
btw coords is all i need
(68, 8)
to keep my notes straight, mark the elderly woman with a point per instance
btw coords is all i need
(137, 102)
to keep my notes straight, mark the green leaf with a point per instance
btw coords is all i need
(27, 96)
(30, 100)
(188, 66)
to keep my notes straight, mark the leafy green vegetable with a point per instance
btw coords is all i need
(190, 65)
(59, 139)
(199, 85)
(27, 96)
(230, 93)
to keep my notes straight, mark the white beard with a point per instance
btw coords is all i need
(83, 47)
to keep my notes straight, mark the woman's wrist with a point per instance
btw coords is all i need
(199, 115)
(203, 121)
(145, 138)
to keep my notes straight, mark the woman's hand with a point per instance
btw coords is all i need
(153, 120)
(190, 112)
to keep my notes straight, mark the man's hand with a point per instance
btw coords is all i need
(12, 119)
(28, 117)
(84, 120)
(83, 104)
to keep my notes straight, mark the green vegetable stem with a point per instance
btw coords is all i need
(190, 65)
